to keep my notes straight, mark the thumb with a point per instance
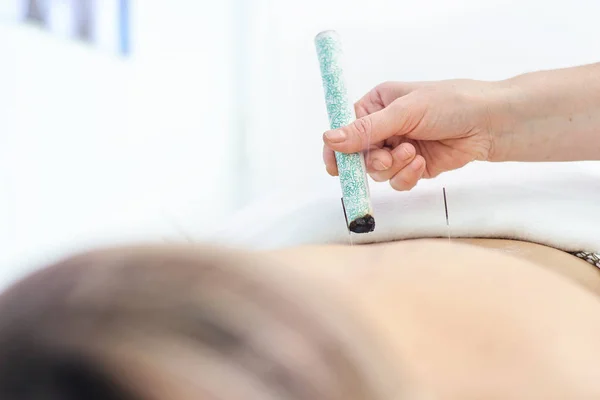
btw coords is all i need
(395, 119)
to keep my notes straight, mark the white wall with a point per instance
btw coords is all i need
(96, 149)
(222, 103)
(60, 133)
(393, 40)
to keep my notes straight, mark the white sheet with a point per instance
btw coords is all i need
(556, 204)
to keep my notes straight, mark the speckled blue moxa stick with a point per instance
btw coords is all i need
(351, 167)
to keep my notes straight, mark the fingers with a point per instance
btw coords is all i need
(379, 160)
(400, 158)
(382, 96)
(407, 177)
(369, 129)
(330, 162)
(381, 114)
(402, 167)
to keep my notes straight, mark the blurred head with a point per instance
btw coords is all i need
(155, 323)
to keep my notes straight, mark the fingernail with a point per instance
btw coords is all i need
(336, 136)
(403, 153)
(406, 154)
(416, 164)
(379, 165)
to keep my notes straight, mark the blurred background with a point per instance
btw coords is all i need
(157, 119)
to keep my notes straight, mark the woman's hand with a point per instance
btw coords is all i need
(419, 130)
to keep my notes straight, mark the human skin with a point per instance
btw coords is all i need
(417, 319)
(415, 130)
(473, 319)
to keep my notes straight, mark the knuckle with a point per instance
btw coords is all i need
(363, 129)
(401, 184)
(359, 107)
(377, 178)
(387, 85)
(414, 116)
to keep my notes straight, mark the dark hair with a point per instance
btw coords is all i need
(73, 331)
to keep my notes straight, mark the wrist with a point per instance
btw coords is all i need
(505, 119)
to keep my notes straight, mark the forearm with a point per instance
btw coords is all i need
(550, 116)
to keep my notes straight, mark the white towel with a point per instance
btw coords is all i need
(555, 204)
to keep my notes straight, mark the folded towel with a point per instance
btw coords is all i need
(555, 204)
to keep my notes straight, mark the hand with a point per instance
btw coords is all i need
(418, 130)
